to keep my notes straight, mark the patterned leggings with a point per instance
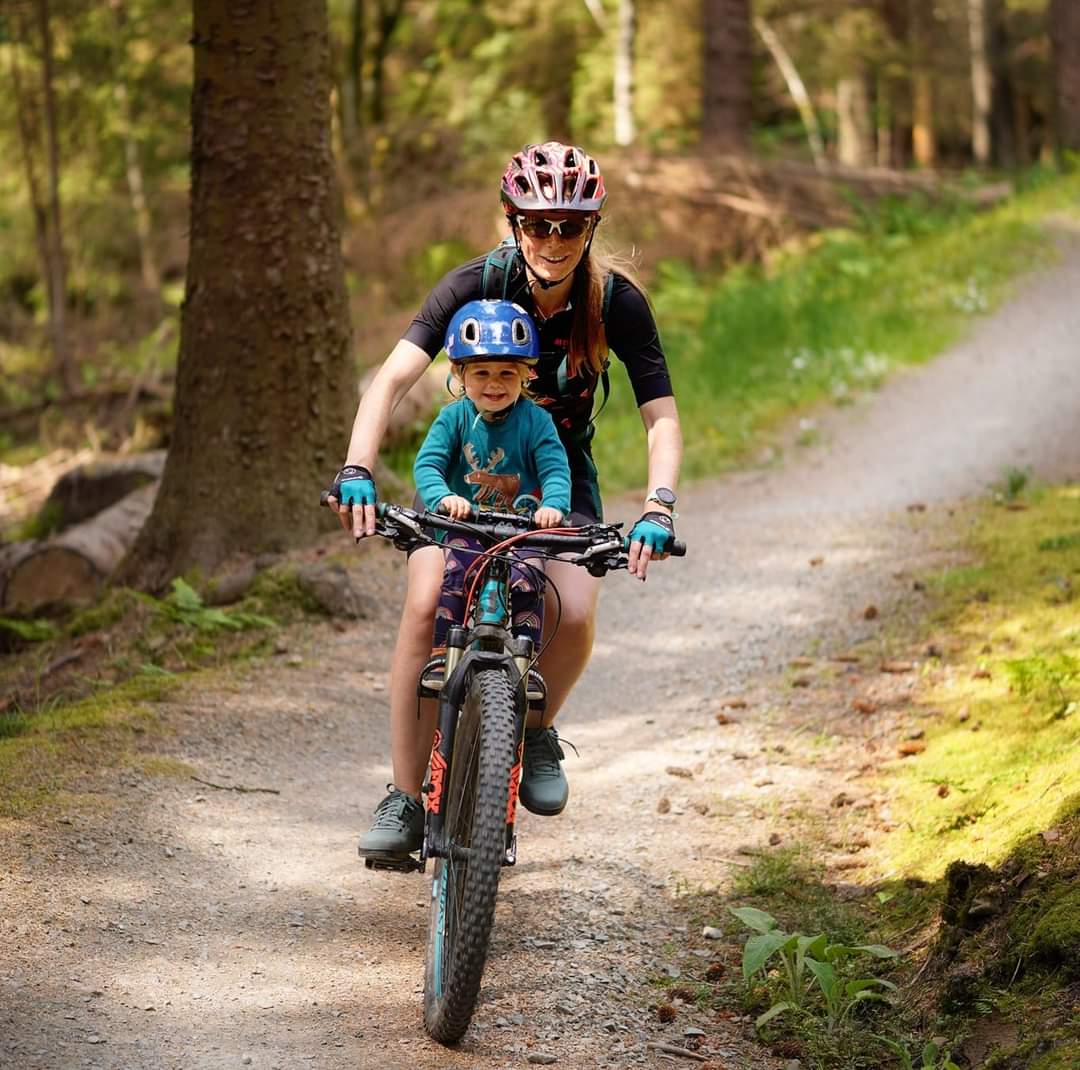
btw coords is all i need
(526, 590)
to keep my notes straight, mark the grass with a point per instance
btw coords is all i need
(750, 348)
(997, 761)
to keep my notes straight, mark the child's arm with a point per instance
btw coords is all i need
(552, 469)
(433, 459)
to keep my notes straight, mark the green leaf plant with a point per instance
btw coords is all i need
(932, 1056)
(804, 960)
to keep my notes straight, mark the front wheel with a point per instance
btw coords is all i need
(465, 884)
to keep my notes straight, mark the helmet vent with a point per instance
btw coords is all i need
(470, 332)
(519, 332)
(590, 188)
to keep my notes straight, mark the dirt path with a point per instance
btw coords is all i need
(161, 923)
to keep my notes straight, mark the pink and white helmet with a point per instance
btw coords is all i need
(553, 177)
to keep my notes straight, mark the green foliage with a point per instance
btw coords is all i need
(802, 958)
(185, 606)
(30, 631)
(931, 1057)
(1013, 483)
(1055, 674)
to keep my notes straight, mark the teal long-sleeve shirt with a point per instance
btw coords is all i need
(512, 465)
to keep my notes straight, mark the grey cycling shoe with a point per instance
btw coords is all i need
(544, 789)
(398, 828)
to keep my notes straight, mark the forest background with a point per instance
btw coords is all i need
(734, 135)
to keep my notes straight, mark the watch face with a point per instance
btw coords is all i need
(665, 496)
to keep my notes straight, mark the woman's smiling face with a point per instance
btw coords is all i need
(551, 254)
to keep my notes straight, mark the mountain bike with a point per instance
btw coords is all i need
(485, 684)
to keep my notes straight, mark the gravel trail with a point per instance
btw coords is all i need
(158, 922)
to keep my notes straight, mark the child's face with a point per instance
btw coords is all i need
(492, 385)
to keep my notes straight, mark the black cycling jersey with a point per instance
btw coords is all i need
(629, 325)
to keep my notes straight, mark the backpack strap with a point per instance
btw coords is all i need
(495, 281)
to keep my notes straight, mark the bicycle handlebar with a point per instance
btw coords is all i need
(592, 540)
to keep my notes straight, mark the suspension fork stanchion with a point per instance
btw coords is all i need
(520, 648)
(451, 696)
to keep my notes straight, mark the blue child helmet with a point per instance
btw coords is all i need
(482, 330)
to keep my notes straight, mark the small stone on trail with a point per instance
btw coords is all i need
(870, 612)
(247, 1060)
(917, 507)
(981, 674)
(943, 791)
(693, 1031)
(963, 715)
(774, 839)
(169, 852)
(680, 771)
(733, 704)
(815, 561)
(710, 932)
(294, 659)
(739, 756)
(663, 806)
(864, 706)
(916, 733)
(542, 1058)
(843, 799)
(84, 899)
(722, 718)
(911, 747)
(801, 681)
(93, 1038)
(801, 663)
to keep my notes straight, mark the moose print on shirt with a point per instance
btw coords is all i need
(494, 491)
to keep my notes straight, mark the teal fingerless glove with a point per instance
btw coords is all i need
(354, 485)
(654, 530)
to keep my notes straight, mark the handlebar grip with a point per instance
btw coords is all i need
(677, 548)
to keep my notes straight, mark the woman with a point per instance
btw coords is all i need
(552, 195)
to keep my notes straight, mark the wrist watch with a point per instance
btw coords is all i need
(664, 496)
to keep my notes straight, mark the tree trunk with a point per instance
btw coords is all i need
(72, 567)
(63, 362)
(796, 88)
(980, 18)
(27, 142)
(1064, 19)
(624, 73)
(883, 122)
(855, 132)
(923, 142)
(727, 70)
(144, 229)
(265, 382)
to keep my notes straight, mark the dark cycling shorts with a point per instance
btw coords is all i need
(526, 590)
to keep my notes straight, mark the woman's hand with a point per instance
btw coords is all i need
(455, 507)
(648, 539)
(353, 496)
(547, 517)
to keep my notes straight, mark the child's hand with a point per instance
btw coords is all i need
(455, 507)
(546, 517)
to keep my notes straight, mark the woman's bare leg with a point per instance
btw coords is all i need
(410, 739)
(563, 662)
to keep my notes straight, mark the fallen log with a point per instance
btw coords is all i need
(83, 492)
(73, 566)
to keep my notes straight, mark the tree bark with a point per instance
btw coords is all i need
(265, 383)
(855, 131)
(624, 73)
(1064, 20)
(980, 17)
(63, 361)
(727, 70)
(923, 141)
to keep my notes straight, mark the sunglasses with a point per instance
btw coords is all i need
(544, 228)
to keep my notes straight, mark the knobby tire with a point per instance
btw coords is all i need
(463, 893)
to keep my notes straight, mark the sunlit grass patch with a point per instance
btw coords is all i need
(1003, 754)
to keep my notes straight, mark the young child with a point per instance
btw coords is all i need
(492, 448)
